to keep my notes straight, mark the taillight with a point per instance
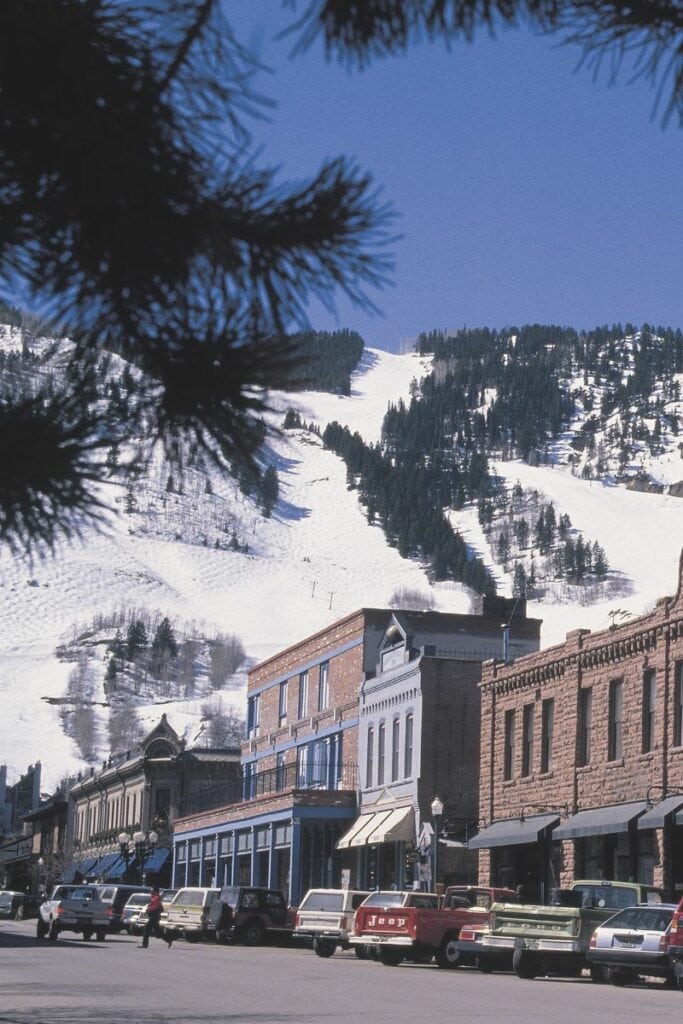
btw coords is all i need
(344, 923)
(109, 911)
(60, 910)
(297, 920)
(663, 943)
(594, 941)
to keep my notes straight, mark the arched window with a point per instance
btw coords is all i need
(408, 748)
(369, 767)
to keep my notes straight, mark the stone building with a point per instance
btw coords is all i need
(292, 822)
(139, 792)
(582, 758)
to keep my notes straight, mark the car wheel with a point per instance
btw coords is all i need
(523, 964)
(323, 949)
(619, 978)
(54, 932)
(87, 934)
(361, 952)
(253, 932)
(101, 936)
(448, 956)
(390, 957)
(41, 929)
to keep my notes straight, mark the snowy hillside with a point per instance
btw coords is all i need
(313, 561)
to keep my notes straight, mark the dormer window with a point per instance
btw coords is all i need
(159, 748)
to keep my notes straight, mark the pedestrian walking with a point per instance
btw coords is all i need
(153, 910)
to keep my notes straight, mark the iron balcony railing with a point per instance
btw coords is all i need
(286, 778)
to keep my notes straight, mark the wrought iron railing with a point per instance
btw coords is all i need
(286, 778)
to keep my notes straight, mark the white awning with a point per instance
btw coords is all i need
(386, 826)
(399, 825)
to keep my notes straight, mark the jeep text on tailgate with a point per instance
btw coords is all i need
(412, 926)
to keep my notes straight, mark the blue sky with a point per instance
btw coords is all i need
(527, 192)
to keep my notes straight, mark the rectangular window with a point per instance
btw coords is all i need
(302, 767)
(615, 745)
(324, 686)
(282, 706)
(585, 725)
(547, 724)
(280, 771)
(381, 744)
(395, 733)
(509, 749)
(253, 715)
(369, 766)
(649, 693)
(678, 709)
(408, 748)
(527, 739)
(303, 694)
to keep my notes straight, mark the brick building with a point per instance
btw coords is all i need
(582, 758)
(280, 826)
(290, 824)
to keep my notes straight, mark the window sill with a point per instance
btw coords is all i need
(584, 769)
(617, 763)
(507, 783)
(546, 775)
(527, 778)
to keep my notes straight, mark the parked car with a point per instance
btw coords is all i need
(675, 947)
(326, 916)
(19, 905)
(634, 942)
(115, 898)
(250, 915)
(188, 913)
(554, 939)
(415, 926)
(134, 915)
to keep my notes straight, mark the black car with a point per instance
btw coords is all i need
(19, 905)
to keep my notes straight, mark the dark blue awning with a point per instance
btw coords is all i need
(156, 860)
(101, 868)
(117, 869)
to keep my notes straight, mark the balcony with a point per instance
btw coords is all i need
(288, 778)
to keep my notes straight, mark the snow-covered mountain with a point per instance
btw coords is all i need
(314, 560)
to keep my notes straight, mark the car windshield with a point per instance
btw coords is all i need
(5, 898)
(329, 901)
(385, 899)
(138, 899)
(607, 896)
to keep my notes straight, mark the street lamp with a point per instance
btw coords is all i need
(437, 811)
(142, 843)
(41, 865)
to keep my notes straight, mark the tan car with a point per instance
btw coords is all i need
(188, 915)
(326, 916)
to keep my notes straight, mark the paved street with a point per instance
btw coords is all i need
(113, 982)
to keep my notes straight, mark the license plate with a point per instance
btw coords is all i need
(531, 943)
(627, 945)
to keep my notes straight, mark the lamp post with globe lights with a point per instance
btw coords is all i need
(437, 811)
(140, 844)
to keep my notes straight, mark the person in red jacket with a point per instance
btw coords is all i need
(153, 910)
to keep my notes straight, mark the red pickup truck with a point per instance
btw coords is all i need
(418, 926)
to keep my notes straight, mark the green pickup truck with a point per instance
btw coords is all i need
(554, 939)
